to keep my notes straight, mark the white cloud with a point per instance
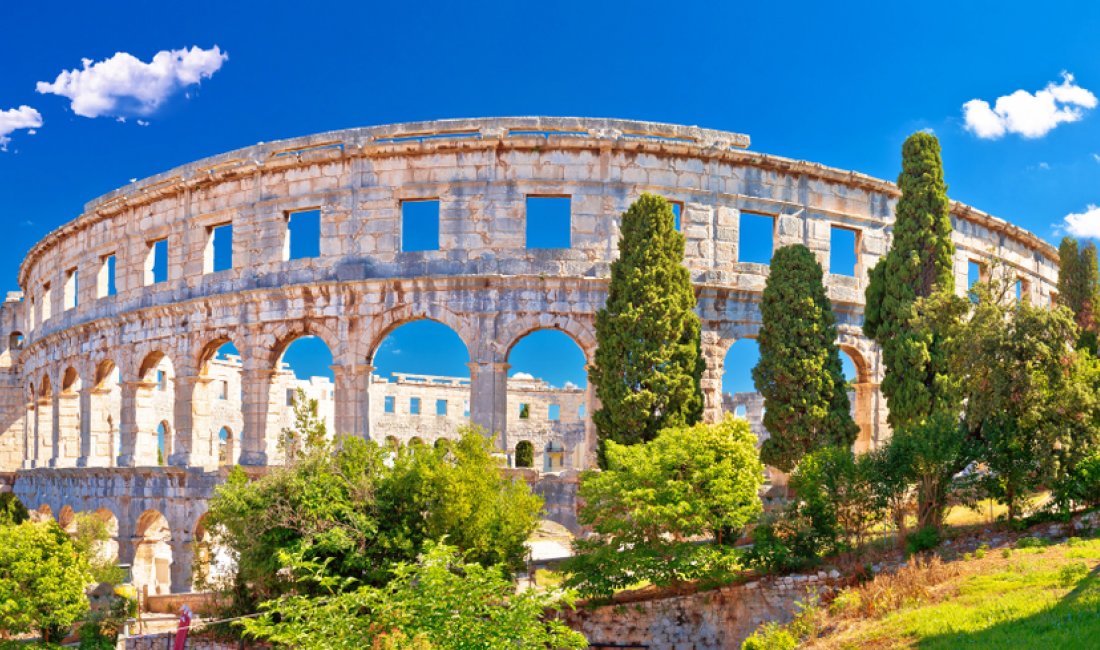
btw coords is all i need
(124, 85)
(523, 375)
(1027, 114)
(14, 119)
(1085, 225)
(1096, 157)
(1045, 166)
(570, 386)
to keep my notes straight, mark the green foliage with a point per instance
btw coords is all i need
(1072, 573)
(1079, 288)
(1081, 484)
(922, 539)
(90, 533)
(1031, 542)
(648, 366)
(834, 509)
(42, 580)
(525, 454)
(12, 510)
(656, 499)
(770, 636)
(309, 432)
(929, 455)
(919, 262)
(438, 602)
(363, 509)
(799, 372)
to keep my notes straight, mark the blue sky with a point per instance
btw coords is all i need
(837, 83)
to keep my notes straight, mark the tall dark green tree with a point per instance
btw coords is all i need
(919, 262)
(648, 366)
(1079, 288)
(799, 372)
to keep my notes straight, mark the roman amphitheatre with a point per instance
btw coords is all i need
(114, 345)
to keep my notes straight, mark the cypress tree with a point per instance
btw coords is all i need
(919, 262)
(1078, 288)
(648, 365)
(799, 372)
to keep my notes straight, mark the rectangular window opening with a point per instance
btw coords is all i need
(218, 255)
(549, 223)
(677, 215)
(756, 238)
(553, 412)
(466, 408)
(975, 273)
(420, 225)
(225, 391)
(389, 404)
(441, 407)
(414, 405)
(156, 262)
(524, 411)
(47, 302)
(581, 413)
(105, 280)
(303, 234)
(162, 381)
(843, 251)
(290, 396)
(72, 288)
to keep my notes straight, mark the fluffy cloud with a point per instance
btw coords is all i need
(124, 85)
(1084, 225)
(14, 119)
(1027, 114)
(523, 375)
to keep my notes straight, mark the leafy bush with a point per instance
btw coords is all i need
(1072, 573)
(848, 600)
(1080, 485)
(1031, 542)
(42, 580)
(925, 539)
(656, 499)
(12, 510)
(770, 636)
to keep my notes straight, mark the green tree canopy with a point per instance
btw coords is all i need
(799, 372)
(1079, 288)
(919, 262)
(656, 499)
(42, 580)
(648, 365)
(365, 508)
(438, 602)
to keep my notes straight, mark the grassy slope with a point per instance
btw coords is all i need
(1020, 601)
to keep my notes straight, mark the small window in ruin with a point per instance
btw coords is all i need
(548, 222)
(553, 412)
(414, 406)
(105, 280)
(290, 395)
(224, 395)
(303, 234)
(389, 404)
(843, 251)
(441, 407)
(218, 255)
(162, 380)
(72, 288)
(756, 238)
(15, 341)
(740, 412)
(420, 225)
(677, 214)
(975, 273)
(156, 262)
(47, 301)
(466, 408)
(524, 411)
(581, 413)
(1023, 290)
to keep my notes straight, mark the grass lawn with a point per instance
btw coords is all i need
(1046, 598)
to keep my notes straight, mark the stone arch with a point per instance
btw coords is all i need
(582, 333)
(216, 399)
(68, 419)
(15, 340)
(152, 567)
(228, 447)
(108, 549)
(154, 406)
(525, 454)
(386, 322)
(284, 335)
(44, 434)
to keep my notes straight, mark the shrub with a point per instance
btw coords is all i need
(981, 550)
(848, 600)
(1006, 552)
(1071, 573)
(925, 539)
(1031, 542)
(770, 636)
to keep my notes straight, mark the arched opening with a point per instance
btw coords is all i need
(548, 398)
(860, 395)
(107, 550)
(152, 569)
(43, 422)
(739, 395)
(15, 341)
(525, 454)
(416, 441)
(227, 449)
(303, 377)
(216, 405)
(213, 566)
(155, 403)
(392, 443)
(104, 416)
(68, 418)
(421, 383)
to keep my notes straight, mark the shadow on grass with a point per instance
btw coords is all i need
(1072, 623)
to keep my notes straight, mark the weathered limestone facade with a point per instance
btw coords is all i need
(90, 377)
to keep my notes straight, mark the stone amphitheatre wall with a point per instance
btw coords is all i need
(81, 363)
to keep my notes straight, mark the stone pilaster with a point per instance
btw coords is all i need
(256, 447)
(352, 399)
(489, 399)
(67, 432)
(86, 441)
(128, 424)
(714, 355)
